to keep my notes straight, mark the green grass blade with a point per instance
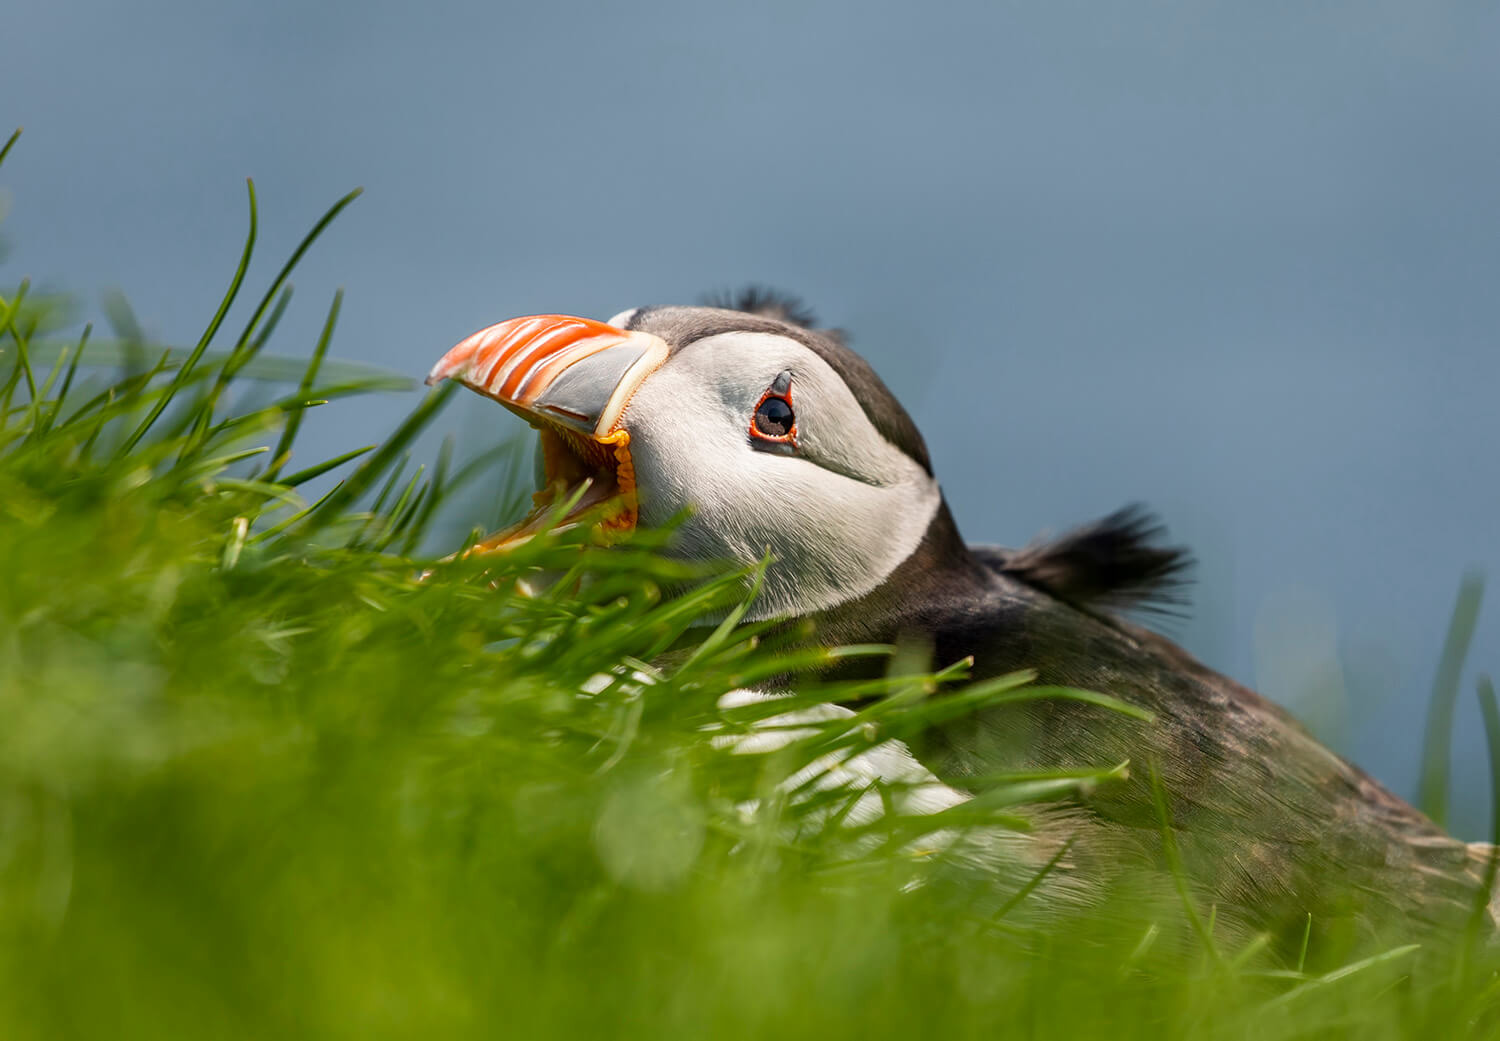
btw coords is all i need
(1339, 975)
(23, 360)
(379, 518)
(10, 143)
(1306, 939)
(1433, 793)
(67, 385)
(721, 633)
(127, 329)
(283, 453)
(436, 491)
(1480, 916)
(1490, 710)
(319, 469)
(371, 470)
(1176, 868)
(1031, 884)
(245, 347)
(186, 370)
(105, 352)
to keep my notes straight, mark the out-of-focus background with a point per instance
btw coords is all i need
(1240, 262)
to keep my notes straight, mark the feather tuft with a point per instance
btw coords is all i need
(766, 302)
(1113, 564)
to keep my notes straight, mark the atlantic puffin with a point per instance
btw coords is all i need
(769, 435)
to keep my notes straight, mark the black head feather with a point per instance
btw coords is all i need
(766, 302)
(1111, 565)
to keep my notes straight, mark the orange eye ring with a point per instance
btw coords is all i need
(775, 409)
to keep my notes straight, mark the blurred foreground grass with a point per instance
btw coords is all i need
(261, 778)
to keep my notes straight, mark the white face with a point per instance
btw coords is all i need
(838, 510)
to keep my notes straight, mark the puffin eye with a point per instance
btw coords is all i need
(774, 419)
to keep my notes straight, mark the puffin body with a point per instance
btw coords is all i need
(774, 438)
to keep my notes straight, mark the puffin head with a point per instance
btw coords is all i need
(765, 434)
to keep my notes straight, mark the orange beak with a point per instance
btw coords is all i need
(572, 379)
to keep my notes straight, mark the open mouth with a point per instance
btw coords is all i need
(587, 482)
(572, 379)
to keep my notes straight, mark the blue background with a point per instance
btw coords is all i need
(1238, 261)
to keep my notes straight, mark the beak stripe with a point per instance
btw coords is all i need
(546, 368)
(517, 362)
(505, 345)
(543, 347)
(537, 346)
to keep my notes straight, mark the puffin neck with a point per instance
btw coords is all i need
(940, 570)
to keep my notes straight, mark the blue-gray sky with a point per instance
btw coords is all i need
(1240, 261)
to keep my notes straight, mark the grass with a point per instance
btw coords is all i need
(269, 769)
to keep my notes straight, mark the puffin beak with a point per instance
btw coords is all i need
(571, 378)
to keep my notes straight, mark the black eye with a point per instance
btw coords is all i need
(774, 419)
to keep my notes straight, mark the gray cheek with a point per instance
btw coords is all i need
(677, 473)
(656, 508)
(664, 474)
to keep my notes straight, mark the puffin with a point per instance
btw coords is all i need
(763, 437)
